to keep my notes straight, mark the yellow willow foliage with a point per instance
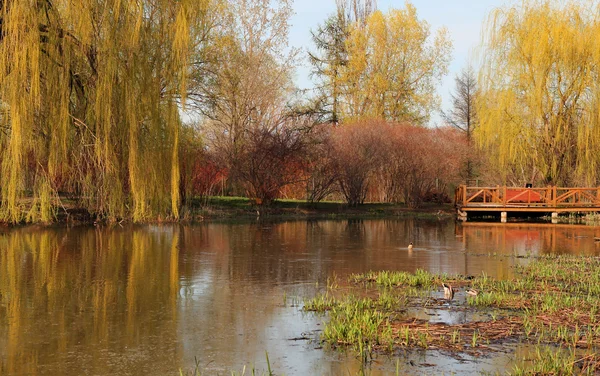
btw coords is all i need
(89, 100)
(540, 98)
(394, 65)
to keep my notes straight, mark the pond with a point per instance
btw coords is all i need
(155, 299)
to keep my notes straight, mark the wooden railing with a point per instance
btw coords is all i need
(552, 197)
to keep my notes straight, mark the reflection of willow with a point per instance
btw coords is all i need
(80, 288)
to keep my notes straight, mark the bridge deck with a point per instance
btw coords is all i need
(532, 200)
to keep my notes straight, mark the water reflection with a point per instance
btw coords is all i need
(70, 300)
(530, 238)
(148, 299)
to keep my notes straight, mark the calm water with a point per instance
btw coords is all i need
(150, 299)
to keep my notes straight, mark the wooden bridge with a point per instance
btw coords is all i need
(525, 200)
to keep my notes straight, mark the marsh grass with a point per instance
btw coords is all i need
(320, 303)
(551, 360)
(551, 300)
(547, 361)
(389, 279)
(246, 371)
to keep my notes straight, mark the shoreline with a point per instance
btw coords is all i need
(226, 209)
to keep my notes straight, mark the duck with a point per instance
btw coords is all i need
(410, 246)
(472, 292)
(448, 291)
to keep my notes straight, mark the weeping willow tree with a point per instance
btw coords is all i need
(90, 92)
(539, 108)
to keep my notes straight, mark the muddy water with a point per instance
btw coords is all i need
(151, 299)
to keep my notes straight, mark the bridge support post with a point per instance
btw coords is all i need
(554, 217)
(503, 216)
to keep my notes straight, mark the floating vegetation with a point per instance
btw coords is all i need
(551, 301)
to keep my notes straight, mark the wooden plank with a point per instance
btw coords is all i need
(529, 225)
(474, 196)
(549, 199)
(530, 209)
(587, 194)
(515, 194)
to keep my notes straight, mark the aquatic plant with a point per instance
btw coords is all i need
(551, 300)
(320, 303)
(198, 369)
(547, 361)
(392, 279)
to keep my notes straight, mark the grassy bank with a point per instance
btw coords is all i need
(241, 207)
(552, 303)
(220, 208)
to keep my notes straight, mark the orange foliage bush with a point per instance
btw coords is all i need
(396, 162)
(200, 170)
(369, 159)
(357, 154)
(273, 158)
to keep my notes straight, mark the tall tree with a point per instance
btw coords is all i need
(394, 66)
(463, 115)
(356, 11)
(91, 90)
(330, 41)
(331, 56)
(540, 99)
(244, 80)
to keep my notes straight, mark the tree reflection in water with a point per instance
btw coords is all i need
(148, 299)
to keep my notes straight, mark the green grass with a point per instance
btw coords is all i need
(246, 371)
(320, 303)
(236, 207)
(243, 209)
(550, 301)
(391, 279)
(225, 202)
(547, 361)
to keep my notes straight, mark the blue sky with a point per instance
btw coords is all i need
(463, 18)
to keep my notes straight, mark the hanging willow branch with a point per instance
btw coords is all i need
(540, 101)
(91, 92)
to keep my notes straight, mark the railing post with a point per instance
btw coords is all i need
(504, 196)
(465, 194)
(554, 196)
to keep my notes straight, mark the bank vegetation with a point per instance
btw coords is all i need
(547, 305)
